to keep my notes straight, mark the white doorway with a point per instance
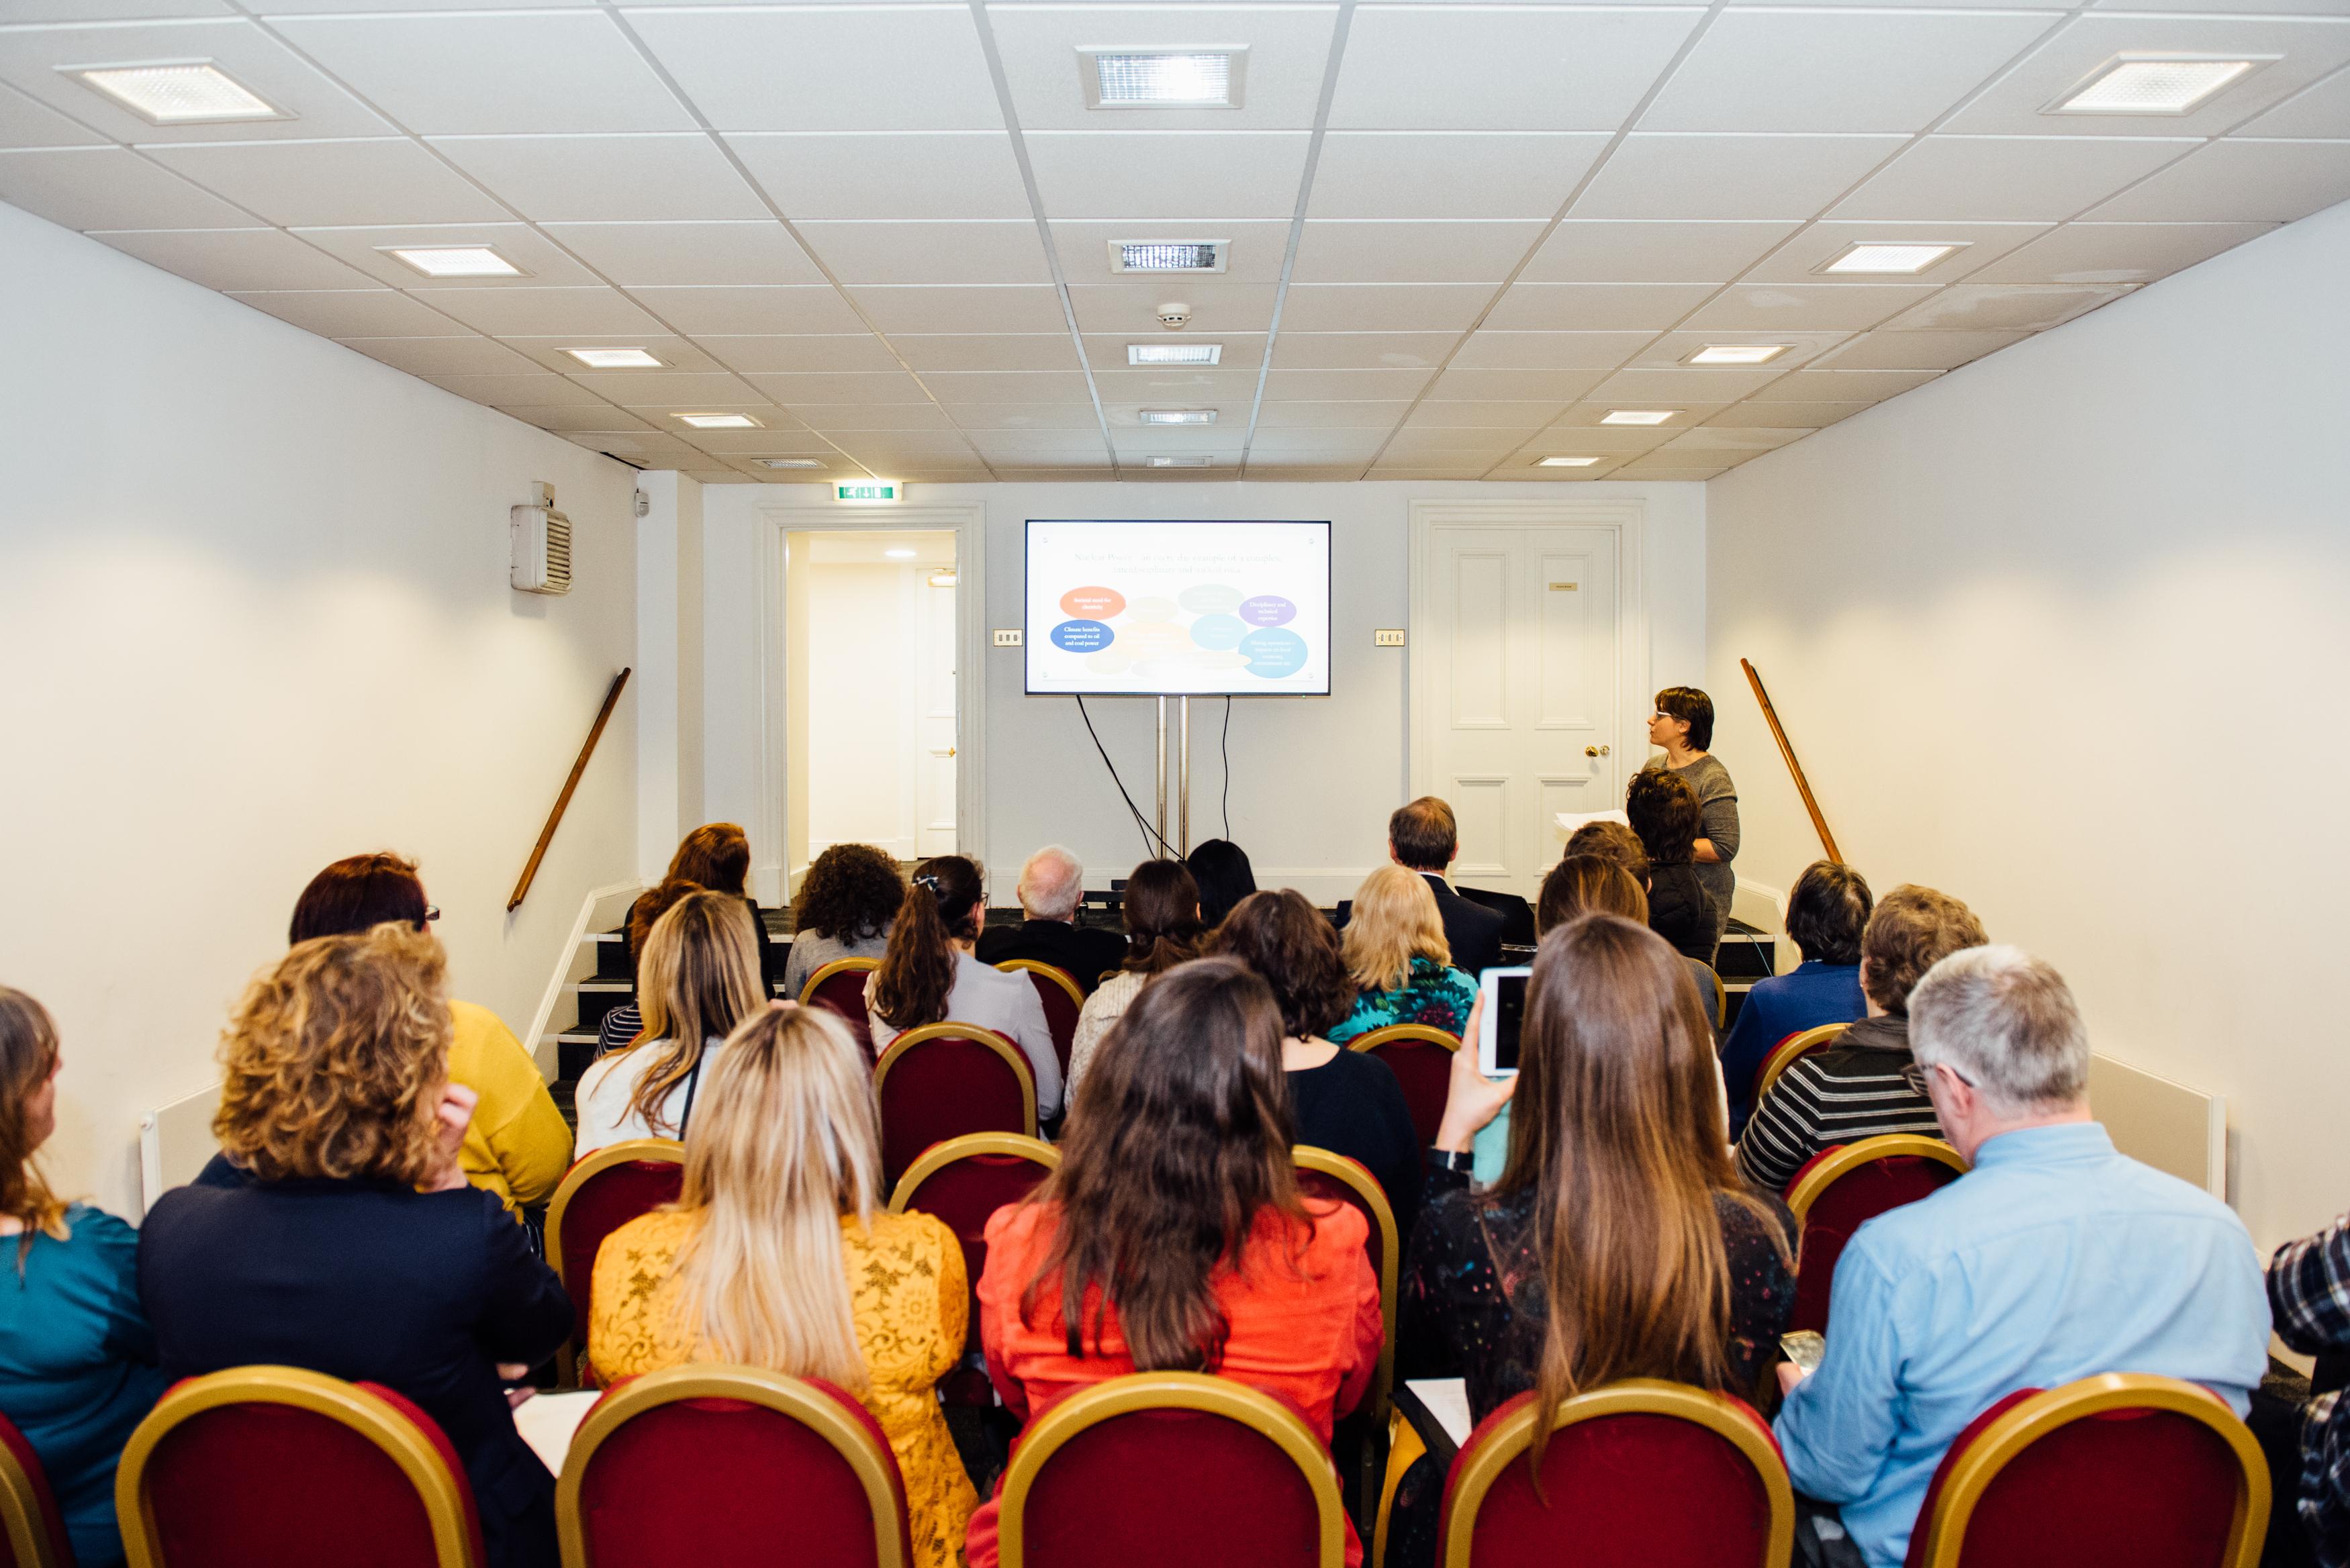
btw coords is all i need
(1527, 661)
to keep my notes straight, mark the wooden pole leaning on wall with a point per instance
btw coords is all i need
(563, 801)
(1802, 785)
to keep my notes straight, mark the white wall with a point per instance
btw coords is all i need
(254, 615)
(2063, 634)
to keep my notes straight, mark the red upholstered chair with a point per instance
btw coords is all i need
(965, 1181)
(2122, 1469)
(1171, 1470)
(32, 1530)
(1062, 997)
(1789, 1051)
(839, 987)
(1849, 1183)
(730, 1467)
(276, 1467)
(944, 1080)
(1322, 1174)
(1657, 1474)
(598, 1195)
(1421, 1059)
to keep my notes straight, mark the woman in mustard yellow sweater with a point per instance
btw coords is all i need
(775, 1255)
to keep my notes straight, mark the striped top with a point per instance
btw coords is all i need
(1843, 1094)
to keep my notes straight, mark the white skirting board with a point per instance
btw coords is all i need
(2163, 1123)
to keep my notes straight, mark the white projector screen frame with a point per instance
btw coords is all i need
(1307, 623)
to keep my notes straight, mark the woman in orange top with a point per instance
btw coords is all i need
(776, 1256)
(1173, 1235)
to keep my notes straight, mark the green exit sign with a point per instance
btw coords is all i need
(871, 490)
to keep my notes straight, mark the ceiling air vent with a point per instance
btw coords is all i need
(541, 538)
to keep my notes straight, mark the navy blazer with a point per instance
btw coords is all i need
(423, 1291)
(1472, 932)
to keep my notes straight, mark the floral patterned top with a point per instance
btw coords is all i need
(1435, 995)
(912, 1304)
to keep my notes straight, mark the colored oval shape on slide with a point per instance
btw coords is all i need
(1218, 631)
(1268, 609)
(1153, 609)
(1092, 604)
(1210, 599)
(1274, 653)
(1085, 637)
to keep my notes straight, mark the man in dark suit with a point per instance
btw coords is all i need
(1423, 837)
(1051, 886)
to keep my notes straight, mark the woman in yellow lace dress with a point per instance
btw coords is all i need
(777, 1256)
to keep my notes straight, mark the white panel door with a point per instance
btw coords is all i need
(936, 703)
(1525, 681)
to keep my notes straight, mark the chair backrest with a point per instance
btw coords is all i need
(1322, 1174)
(600, 1193)
(1062, 997)
(1660, 1474)
(944, 1080)
(2121, 1467)
(32, 1530)
(1848, 1184)
(1789, 1051)
(1517, 915)
(1711, 991)
(731, 1467)
(1168, 1469)
(963, 1181)
(277, 1467)
(1421, 1060)
(839, 987)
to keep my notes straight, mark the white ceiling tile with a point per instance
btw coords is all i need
(1836, 70)
(987, 351)
(1217, 306)
(1586, 436)
(874, 416)
(1288, 47)
(2116, 253)
(1680, 386)
(873, 177)
(1421, 176)
(1320, 445)
(2276, 7)
(274, 8)
(961, 386)
(536, 391)
(1016, 307)
(632, 253)
(1673, 472)
(1450, 414)
(1916, 350)
(1160, 175)
(788, 308)
(2003, 308)
(674, 353)
(963, 252)
(237, 258)
(1842, 386)
(1496, 350)
(1584, 251)
(1254, 253)
(1362, 350)
(1285, 472)
(1558, 388)
(108, 188)
(1595, 306)
(1037, 443)
(1175, 386)
(1586, 417)
(26, 123)
(462, 73)
(1503, 68)
(1674, 348)
(355, 313)
(838, 68)
(1343, 386)
(1698, 444)
(307, 184)
(446, 357)
(1107, 350)
(857, 350)
(30, 59)
(607, 179)
(1029, 417)
(1715, 177)
(1800, 259)
(569, 420)
(1423, 252)
(1767, 416)
(1384, 306)
(670, 388)
(543, 261)
(2239, 182)
(513, 312)
(795, 388)
(1798, 306)
(2319, 111)
(88, 11)
(1297, 422)
(2005, 179)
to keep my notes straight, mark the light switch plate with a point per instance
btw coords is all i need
(1007, 637)
(1387, 636)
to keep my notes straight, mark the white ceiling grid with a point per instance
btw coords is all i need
(1460, 233)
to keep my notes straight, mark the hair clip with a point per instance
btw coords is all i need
(929, 881)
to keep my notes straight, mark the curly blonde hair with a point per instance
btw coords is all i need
(334, 1059)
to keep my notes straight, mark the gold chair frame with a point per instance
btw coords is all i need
(938, 1155)
(1260, 1412)
(2032, 1419)
(1476, 1471)
(951, 1031)
(659, 1150)
(1841, 1162)
(837, 966)
(344, 1403)
(811, 1406)
(22, 1523)
(1720, 998)
(1371, 1040)
(1363, 1185)
(1789, 1051)
(1051, 971)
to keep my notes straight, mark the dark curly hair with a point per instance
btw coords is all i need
(851, 893)
(1287, 941)
(1665, 812)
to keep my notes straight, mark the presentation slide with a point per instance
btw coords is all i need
(1140, 609)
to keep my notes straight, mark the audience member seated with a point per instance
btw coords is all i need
(76, 1359)
(1341, 1100)
(1826, 914)
(930, 976)
(1864, 1084)
(779, 1254)
(717, 856)
(847, 899)
(336, 1232)
(1423, 837)
(1618, 1241)
(1665, 816)
(1221, 870)
(1395, 953)
(1614, 841)
(697, 979)
(1587, 884)
(1052, 886)
(625, 1026)
(1683, 724)
(1163, 929)
(2309, 1299)
(2052, 1259)
(516, 1146)
(1173, 1236)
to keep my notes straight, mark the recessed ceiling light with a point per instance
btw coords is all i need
(186, 92)
(1178, 416)
(1737, 353)
(719, 422)
(613, 358)
(900, 554)
(1174, 353)
(1167, 255)
(2154, 84)
(788, 462)
(1178, 462)
(1567, 463)
(456, 261)
(1869, 256)
(1638, 416)
(1162, 78)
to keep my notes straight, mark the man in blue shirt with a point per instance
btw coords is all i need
(2053, 1259)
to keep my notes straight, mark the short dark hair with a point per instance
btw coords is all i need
(1221, 870)
(1828, 910)
(356, 894)
(1161, 906)
(1912, 929)
(1687, 702)
(1289, 942)
(1665, 812)
(1424, 834)
(1611, 841)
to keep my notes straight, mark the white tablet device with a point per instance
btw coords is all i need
(1505, 1007)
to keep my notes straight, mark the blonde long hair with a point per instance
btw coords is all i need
(696, 979)
(1395, 921)
(788, 1142)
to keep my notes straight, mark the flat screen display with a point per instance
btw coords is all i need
(1151, 608)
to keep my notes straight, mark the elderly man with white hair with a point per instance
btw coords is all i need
(1051, 886)
(2053, 1259)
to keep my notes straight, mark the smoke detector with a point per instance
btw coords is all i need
(1174, 313)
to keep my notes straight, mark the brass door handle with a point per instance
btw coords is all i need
(1595, 751)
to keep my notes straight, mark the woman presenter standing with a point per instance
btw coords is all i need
(1683, 724)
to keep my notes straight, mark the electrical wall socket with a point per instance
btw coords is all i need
(1387, 636)
(1007, 637)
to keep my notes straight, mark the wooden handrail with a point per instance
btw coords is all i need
(1802, 785)
(555, 817)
